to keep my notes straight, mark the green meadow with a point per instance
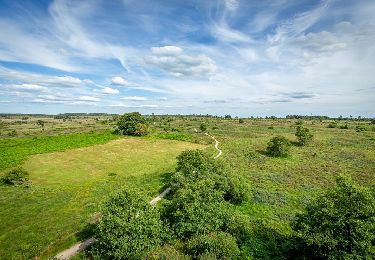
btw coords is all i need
(72, 174)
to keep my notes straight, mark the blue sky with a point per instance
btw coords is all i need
(239, 57)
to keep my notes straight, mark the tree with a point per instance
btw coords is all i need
(278, 146)
(203, 127)
(129, 229)
(197, 208)
(303, 135)
(132, 124)
(340, 224)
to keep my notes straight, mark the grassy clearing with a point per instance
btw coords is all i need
(68, 187)
(14, 150)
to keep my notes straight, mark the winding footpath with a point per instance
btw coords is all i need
(81, 246)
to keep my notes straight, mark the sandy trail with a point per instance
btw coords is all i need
(81, 246)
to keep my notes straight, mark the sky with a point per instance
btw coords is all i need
(238, 57)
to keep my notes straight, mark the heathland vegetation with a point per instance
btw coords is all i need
(297, 187)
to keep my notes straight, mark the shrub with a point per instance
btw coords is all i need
(195, 161)
(237, 191)
(130, 228)
(303, 135)
(132, 124)
(195, 209)
(278, 146)
(215, 245)
(241, 121)
(167, 252)
(239, 226)
(332, 125)
(15, 176)
(339, 224)
(344, 126)
(203, 127)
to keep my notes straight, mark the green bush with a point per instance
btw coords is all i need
(15, 176)
(129, 229)
(195, 162)
(198, 208)
(239, 226)
(340, 224)
(344, 126)
(13, 133)
(215, 245)
(332, 125)
(237, 191)
(360, 128)
(167, 252)
(132, 124)
(241, 121)
(303, 135)
(278, 146)
(203, 127)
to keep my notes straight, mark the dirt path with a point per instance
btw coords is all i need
(81, 246)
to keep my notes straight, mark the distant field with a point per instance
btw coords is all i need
(68, 186)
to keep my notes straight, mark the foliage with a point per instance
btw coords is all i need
(174, 136)
(129, 229)
(332, 125)
(238, 190)
(344, 126)
(14, 151)
(360, 128)
(167, 252)
(203, 127)
(40, 123)
(303, 135)
(132, 124)
(215, 245)
(278, 146)
(15, 176)
(241, 121)
(239, 226)
(13, 133)
(195, 209)
(339, 224)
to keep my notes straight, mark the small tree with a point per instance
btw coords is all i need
(303, 135)
(278, 146)
(129, 229)
(203, 127)
(339, 224)
(132, 124)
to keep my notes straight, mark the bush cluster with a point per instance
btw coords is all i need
(132, 124)
(278, 146)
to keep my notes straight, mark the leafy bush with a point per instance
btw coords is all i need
(13, 133)
(132, 124)
(339, 224)
(15, 176)
(239, 226)
(166, 252)
(193, 162)
(203, 127)
(332, 125)
(215, 245)
(303, 135)
(237, 190)
(241, 121)
(344, 126)
(278, 146)
(129, 229)
(195, 209)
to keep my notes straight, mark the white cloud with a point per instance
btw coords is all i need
(119, 81)
(134, 98)
(90, 99)
(108, 90)
(166, 51)
(179, 64)
(31, 87)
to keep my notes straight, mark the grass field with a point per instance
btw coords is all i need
(68, 186)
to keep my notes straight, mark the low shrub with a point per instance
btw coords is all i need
(15, 176)
(344, 126)
(215, 245)
(203, 127)
(332, 125)
(303, 135)
(278, 146)
(360, 128)
(166, 252)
